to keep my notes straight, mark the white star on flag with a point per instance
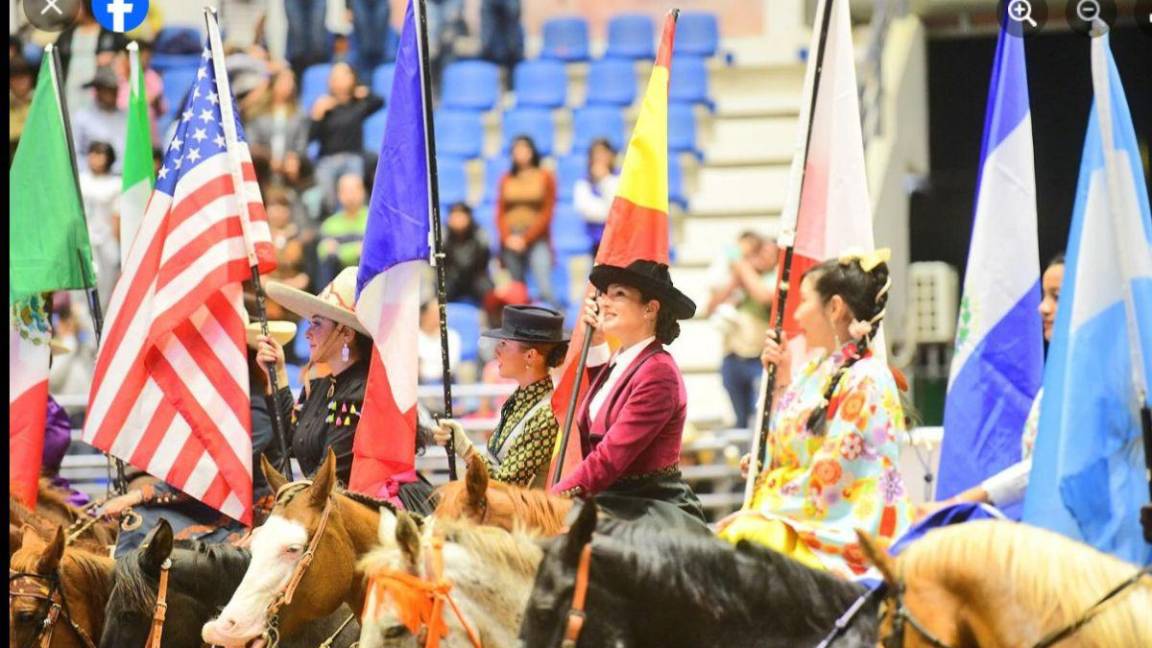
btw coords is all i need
(193, 155)
(186, 116)
(207, 116)
(213, 98)
(201, 73)
(163, 173)
(199, 135)
(218, 140)
(177, 143)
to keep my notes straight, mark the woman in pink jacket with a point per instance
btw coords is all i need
(632, 417)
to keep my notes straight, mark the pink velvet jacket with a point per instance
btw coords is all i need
(638, 428)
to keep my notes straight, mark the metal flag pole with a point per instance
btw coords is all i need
(434, 212)
(570, 412)
(228, 122)
(787, 237)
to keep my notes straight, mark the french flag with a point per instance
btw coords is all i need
(388, 284)
(999, 359)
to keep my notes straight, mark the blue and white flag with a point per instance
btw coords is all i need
(999, 359)
(1088, 472)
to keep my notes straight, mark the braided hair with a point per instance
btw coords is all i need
(866, 295)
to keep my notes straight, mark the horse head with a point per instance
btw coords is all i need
(386, 622)
(485, 501)
(309, 544)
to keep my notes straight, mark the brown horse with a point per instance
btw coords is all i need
(494, 503)
(52, 510)
(66, 587)
(997, 583)
(331, 579)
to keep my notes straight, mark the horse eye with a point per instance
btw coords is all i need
(396, 632)
(25, 616)
(293, 549)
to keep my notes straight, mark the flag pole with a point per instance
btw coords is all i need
(570, 413)
(438, 256)
(787, 240)
(120, 483)
(228, 123)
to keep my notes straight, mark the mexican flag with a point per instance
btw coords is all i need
(137, 172)
(48, 250)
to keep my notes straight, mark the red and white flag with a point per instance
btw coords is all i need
(28, 351)
(170, 390)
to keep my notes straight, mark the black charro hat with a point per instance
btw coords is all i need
(530, 324)
(649, 277)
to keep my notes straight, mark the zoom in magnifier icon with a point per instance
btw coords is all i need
(1021, 12)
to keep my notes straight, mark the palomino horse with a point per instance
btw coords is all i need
(465, 583)
(309, 543)
(996, 583)
(641, 586)
(201, 578)
(494, 503)
(56, 593)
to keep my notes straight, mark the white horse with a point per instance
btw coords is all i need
(487, 571)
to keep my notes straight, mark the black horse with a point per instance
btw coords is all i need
(201, 580)
(652, 588)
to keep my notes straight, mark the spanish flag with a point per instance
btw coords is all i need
(637, 226)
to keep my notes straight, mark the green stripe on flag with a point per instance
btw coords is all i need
(137, 171)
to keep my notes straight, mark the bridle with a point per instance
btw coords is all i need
(576, 613)
(272, 633)
(160, 612)
(850, 615)
(902, 617)
(23, 585)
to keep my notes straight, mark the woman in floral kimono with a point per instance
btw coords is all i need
(832, 448)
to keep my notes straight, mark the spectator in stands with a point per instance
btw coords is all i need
(445, 25)
(307, 41)
(289, 238)
(71, 370)
(299, 177)
(342, 233)
(431, 364)
(276, 122)
(84, 48)
(467, 253)
(501, 35)
(371, 20)
(100, 190)
(21, 84)
(153, 86)
(531, 342)
(593, 193)
(742, 304)
(338, 124)
(103, 121)
(833, 447)
(524, 206)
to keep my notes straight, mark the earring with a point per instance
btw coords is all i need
(344, 353)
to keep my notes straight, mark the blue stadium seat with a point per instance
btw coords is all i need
(569, 169)
(33, 53)
(293, 371)
(391, 44)
(542, 83)
(612, 82)
(382, 80)
(676, 182)
(465, 320)
(494, 168)
(453, 176)
(689, 82)
(300, 342)
(459, 133)
(164, 63)
(179, 39)
(569, 234)
(591, 122)
(697, 33)
(566, 39)
(631, 36)
(535, 123)
(682, 129)
(177, 83)
(313, 84)
(474, 85)
(374, 130)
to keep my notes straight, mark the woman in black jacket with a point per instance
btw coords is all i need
(467, 253)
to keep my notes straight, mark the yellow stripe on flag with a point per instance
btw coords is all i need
(644, 178)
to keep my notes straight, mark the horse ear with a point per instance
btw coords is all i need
(877, 556)
(581, 531)
(476, 482)
(53, 553)
(386, 532)
(324, 481)
(15, 539)
(157, 545)
(408, 538)
(275, 479)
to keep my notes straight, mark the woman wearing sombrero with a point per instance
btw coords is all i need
(329, 408)
(531, 342)
(632, 417)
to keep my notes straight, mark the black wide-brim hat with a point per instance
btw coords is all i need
(651, 278)
(531, 324)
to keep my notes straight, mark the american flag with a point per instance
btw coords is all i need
(170, 391)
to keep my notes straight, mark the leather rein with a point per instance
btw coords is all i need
(23, 585)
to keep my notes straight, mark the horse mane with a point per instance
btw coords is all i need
(724, 581)
(138, 587)
(1055, 578)
(535, 508)
(514, 551)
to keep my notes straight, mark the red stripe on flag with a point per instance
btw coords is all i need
(385, 442)
(27, 415)
(800, 265)
(149, 442)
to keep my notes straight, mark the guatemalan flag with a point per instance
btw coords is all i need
(1088, 470)
(388, 285)
(999, 358)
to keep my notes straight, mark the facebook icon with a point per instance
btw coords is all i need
(120, 15)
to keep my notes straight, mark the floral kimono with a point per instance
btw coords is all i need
(819, 488)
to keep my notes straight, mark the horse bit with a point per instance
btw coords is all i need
(903, 615)
(22, 585)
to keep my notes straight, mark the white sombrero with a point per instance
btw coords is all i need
(280, 330)
(336, 302)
